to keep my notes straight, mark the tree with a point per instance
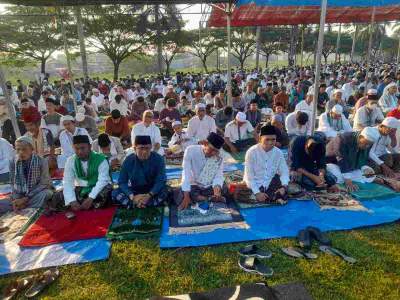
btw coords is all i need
(269, 44)
(206, 44)
(117, 35)
(243, 44)
(35, 38)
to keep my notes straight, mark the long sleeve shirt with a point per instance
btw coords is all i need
(6, 155)
(293, 128)
(122, 106)
(71, 180)
(194, 161)
(331, 127)
(180, 137)
(364, 117)
(152, 130)
(235, 133)
(117, 151)
(200, 129)
(143, 176)
(261, 166)
(66, 140)
(120, 129)
(380, 147)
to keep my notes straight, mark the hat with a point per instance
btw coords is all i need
(49, 100)
(79, 117)
(200, 106)
(253, 101)
(103, 140)
(337, 109)
(31, 115)
(67, 118)
(215, 140)
(25, 139)
(95, 91)
(115, 114)
(240, 117)
(391, 122)
(354, 80)
(277, 118)
(176, 123)
(371, 134)
(372, 92)
(142, 140)
(268, 130)
(80, 139)
(337, 91)
(81, 109)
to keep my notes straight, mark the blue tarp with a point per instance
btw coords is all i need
(286, 221)
(359, 3)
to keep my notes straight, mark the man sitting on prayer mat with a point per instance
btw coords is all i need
(118, 126)
(368, 115)
(179, 140)
(383, 157)
(298, 123)
(202, 176)
(266, 172)
(308, 163)
(112, 148)
(86, 179)
(29, 174)
(142, 181)
(7, 154)
(333, 122)
(239, 134)
(348, 153)
(201, 125)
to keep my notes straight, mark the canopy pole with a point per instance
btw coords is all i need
(258, 33)
(229, 75)
(398, 57)
(302, 46)
(353, 46)
(337, 55)
(81, 37)
(10, 105)
(324, 4)
(371, 26)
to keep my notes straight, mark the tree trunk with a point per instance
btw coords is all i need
(43, 65)
(204, 62)
(116, 70)
(81, 37)
(326, 58)
(266, 61)
(167, 66)
(159, 42)
(242, 63)
(293, 41)
(353, 46)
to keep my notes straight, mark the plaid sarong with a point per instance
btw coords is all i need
(23, 184)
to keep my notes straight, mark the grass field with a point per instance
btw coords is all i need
(139, 269)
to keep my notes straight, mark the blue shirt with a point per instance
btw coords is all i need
(301, 160)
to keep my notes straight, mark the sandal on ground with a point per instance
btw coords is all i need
(304, 238)
(17, 286)
(334, 251)
(42, 282)
(254, 265)
(298, 253)
(318, 236)
(254, 251)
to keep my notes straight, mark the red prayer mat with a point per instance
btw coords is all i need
(57, 228)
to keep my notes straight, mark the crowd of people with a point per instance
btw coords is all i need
(149, 122)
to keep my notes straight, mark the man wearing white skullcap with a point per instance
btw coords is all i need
(98, 99)
(368, 115)
(371, 94)
(334, 122)
(350, 152)
(349, 88)
(200, 126)
(336, 99)
(307, 104)
(179, 139)
(383, 157)
(239, 134)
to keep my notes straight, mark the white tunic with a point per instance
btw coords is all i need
(365, 118)
(66, 142)
(293, 128)
(152, 130)
(122, 106)
(99, 100)
(200, 129)
(380, 147)
(260, 167)
(305, 107)
(6, 155)
(194, 161)
(176, 138)
(332, 129)
(232, 132)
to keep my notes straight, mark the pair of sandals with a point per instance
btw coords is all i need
(306, 237)
(250, 260)
(33, 284)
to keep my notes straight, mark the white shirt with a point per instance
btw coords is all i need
(41, 105)
(260, 167)
(159, 105)
(305, 107)
(194, 161)
(293, 128)
(188, 96)
(122, 106)
(380, 147)
(99, 100)
(70, 180)
(7, 154)
(153, 131)
(348, 90)
(331, 129)
(159, 87)
(66, 140)
(176, 138)
(139, 93)
(200, 129)
(364, 117)
(232, 132)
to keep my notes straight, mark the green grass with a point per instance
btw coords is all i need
(139, 269)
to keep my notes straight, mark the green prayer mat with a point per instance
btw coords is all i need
(239, 156)
(370, 191)
(137, 223)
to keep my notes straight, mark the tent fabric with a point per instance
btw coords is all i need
(360, 3)
(253, 15)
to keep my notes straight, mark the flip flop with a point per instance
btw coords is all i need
(304, 238)
(298, 253)
(254, 251)
(42, 282)
(17, 286)
(317, 235)
(254, 265)
(334, 251)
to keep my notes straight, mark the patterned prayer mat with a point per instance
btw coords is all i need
(205, 217)
(369, 191)
(136, 223)
(16, 223)
(339, 201)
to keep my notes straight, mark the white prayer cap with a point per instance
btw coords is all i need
(137, 85)
(391, 122)
(95, 91)
(200, 106)
(367, 171)
(355, 80)
(335, 91)
(371, 134)
(170, 86)
(81, 110)
(337, 109)
(103, 82)
(372, 92)
(25, 139)
(80, 117)
(310, 92)
(67, 118)
(241, 117)
(176, 123)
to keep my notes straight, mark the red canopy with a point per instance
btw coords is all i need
(252, 15)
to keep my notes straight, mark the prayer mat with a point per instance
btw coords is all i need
(129, 224)
(339, 201)
(205, 217)
(239, 156)
(172, 160)
(57, 228)
(17, 222)
(370, 191)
